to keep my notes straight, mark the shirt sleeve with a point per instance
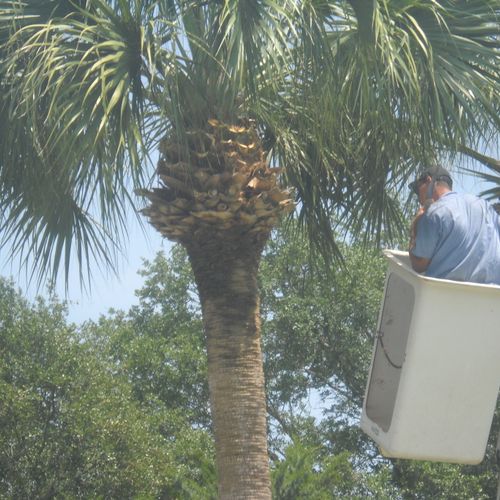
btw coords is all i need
(428, 234)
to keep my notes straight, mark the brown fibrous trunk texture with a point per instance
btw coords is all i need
(227, 284)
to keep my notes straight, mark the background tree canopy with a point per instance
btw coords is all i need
(119, 408)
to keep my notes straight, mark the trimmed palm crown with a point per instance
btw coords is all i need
(224, 185)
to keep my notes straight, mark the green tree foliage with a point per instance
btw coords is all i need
(71, 424)
(309, 472)
(318, 335)
(119, 408)
(158, 344)
(418, 480)
(158, 347)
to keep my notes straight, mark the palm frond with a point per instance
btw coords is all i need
(425, 82)
(491, 177)
(74, 103)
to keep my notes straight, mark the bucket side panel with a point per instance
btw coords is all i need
(389, 356)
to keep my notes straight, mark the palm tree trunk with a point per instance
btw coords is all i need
(220, 200)
(225, 270)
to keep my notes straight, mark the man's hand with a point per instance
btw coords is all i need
(413, 228)
(419, 264)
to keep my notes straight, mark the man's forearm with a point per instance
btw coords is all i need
(419, 264)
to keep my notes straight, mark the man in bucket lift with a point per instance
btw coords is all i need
(453, 236)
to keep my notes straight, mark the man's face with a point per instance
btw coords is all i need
(421, 189)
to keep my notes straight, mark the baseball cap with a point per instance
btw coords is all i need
(437, 172)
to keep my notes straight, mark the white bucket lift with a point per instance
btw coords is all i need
(435, 372)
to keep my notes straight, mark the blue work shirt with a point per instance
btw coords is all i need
(461, 236)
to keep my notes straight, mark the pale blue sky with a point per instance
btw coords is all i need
(117, 292)
(107, 290)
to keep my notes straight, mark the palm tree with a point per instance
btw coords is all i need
(339, 100)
